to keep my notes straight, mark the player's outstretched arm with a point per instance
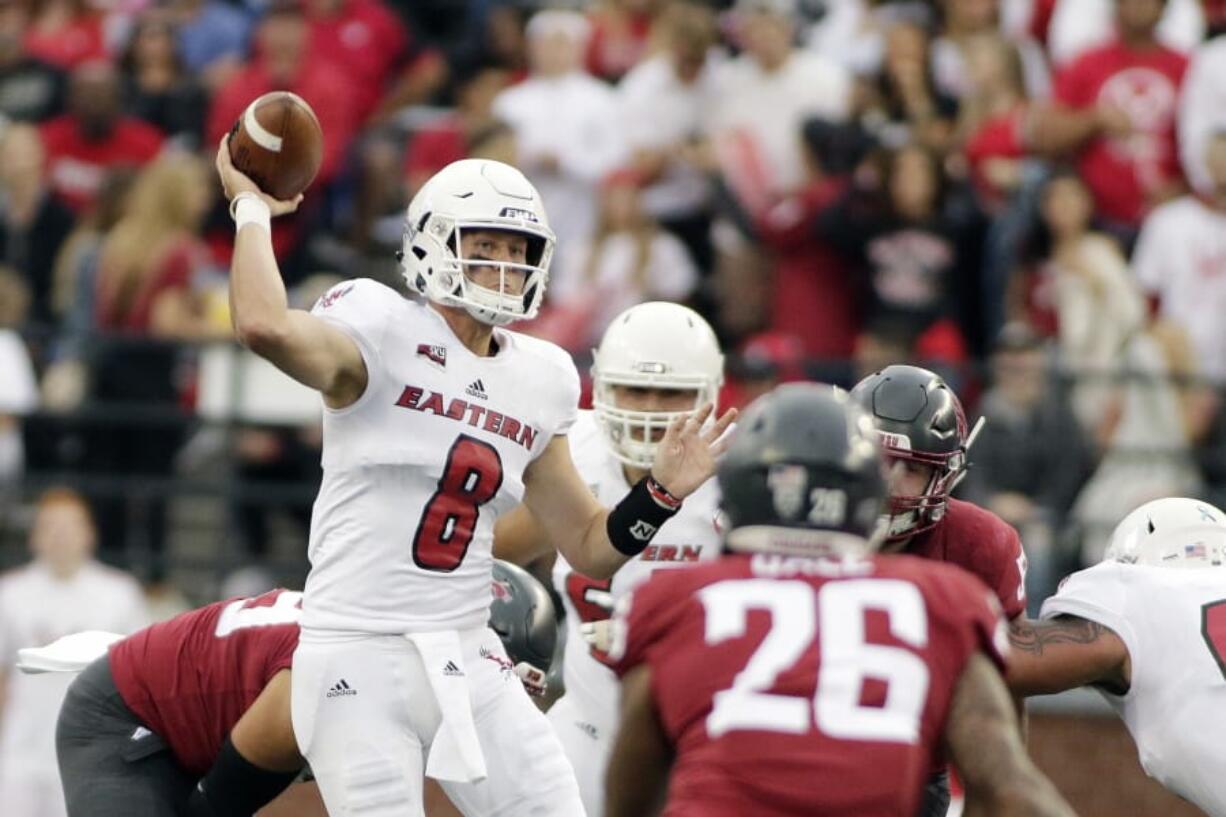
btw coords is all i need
(258, 760)
(637, 776)
(303, 346)
(1065, 652)
(597, 541)
(984, 743)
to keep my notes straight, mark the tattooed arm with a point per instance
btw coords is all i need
(982, 738)
(1063, 653)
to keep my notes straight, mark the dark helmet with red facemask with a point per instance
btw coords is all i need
(919, 419)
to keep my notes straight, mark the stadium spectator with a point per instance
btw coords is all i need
(993, 119)
(1202, 111)
(283, 61)
(764, 96)
(149, 271)
(94, 136)
(963, 20)
(18, 388)
(66, 33)
(30, 89)
(1181, 260)
(852, 32)
(33, 223)
(365, 40)
(1031, 457)
(1075, 286)
(1116, 112)
(762, 362)
(565, 123)
(910, 248)
(628, 260)
(62, 590)
(1079, 26)
(1160, 414)
(158, 87)
(620, 36)
(450, 139)
(904, 105)
(814, 296)
(664, 102)
(212, 39)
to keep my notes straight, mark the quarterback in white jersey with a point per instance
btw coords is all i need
(656, 360)
(436, 421)
(1151, 637)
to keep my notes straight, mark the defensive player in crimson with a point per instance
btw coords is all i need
(1146, 627)
(924, 432)
(655, 361)
(192, 716)
(437, 420)
(801, 674)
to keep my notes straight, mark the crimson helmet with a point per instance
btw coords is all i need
(918, 418)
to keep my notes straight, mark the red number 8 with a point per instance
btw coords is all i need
(471, 478)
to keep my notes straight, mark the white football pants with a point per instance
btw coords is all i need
(365, 716)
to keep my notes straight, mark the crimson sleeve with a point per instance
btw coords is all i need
(639, 622)
(1010, 583)
(1070, 86)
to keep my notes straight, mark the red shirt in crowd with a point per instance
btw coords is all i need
(999, 137)
(173, 271)
(191, 678)
(80, 40)
(1145, 86)
(318, 82)
(837, 741)
(981, 542)
(813, 296)
(364, 40)
(433, 148)
(77, 167)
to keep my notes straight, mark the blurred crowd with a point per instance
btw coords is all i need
(1028, 195)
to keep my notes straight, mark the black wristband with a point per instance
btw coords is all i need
(634, 520)
(235, 787)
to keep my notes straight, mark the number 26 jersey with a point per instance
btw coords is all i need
(417, 470)
(794, 687)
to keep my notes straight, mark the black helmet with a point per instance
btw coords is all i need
(522, 614)
(919, 418)
(803, 461)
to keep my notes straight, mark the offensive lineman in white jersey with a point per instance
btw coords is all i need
(656, 361)
(436, 421)
(1147, 628)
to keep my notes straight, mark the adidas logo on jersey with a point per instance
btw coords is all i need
(451, 669)
(476, 389)
(341, 688)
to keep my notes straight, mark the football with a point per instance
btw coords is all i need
(278, 144)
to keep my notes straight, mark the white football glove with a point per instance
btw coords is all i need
(598, 634)
(533, 679)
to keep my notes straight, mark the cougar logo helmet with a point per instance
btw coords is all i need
(802, 475)
(653, 345)
(476, 194)
(1174, 532)
(521, 612)
(918, 419)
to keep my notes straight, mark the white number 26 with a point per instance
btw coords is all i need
(837, 613)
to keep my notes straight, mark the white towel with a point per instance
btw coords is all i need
(455, 754)
(72, 653)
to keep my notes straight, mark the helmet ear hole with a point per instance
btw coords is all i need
(420, 252)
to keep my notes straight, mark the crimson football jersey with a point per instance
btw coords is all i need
(191, 678)
(793, 686)
(978, 540)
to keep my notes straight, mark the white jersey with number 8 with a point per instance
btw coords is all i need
(417, 470)
(1173, 623)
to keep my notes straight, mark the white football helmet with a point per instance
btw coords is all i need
(655, 345)
(475, 194)
(1175, 532)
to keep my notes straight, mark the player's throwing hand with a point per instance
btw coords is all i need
(686, 456)
(234, 182)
